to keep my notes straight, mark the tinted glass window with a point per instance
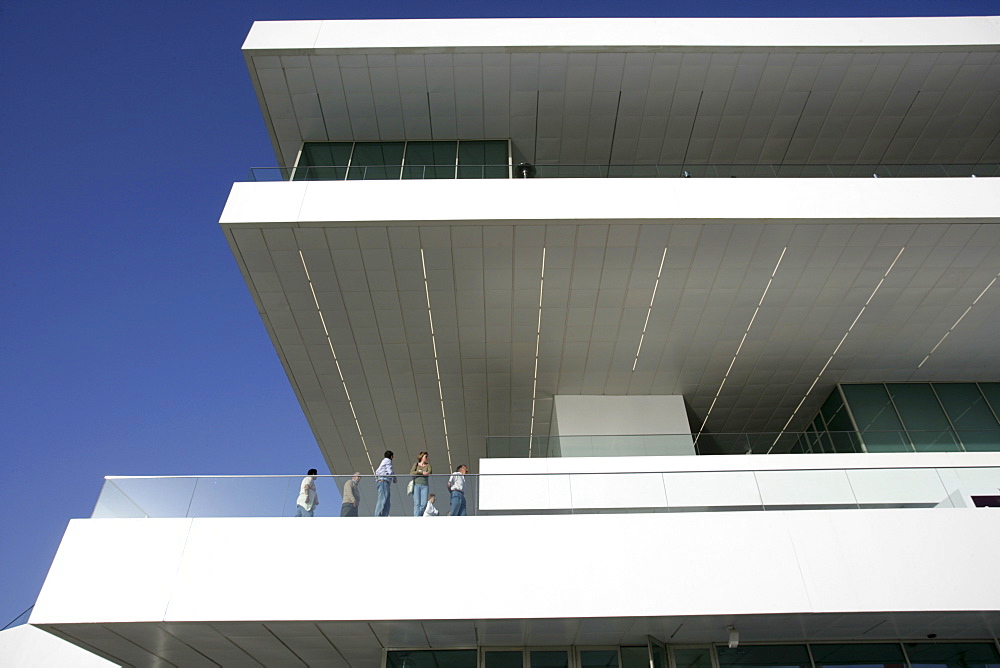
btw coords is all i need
(952, 655)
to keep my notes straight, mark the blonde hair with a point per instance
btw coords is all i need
(420, 455)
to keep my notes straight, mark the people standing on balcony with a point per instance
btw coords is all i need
(430, 510)
(384, 476)
(456, 484)
(351, 497)
(308, 499)
(420, 471)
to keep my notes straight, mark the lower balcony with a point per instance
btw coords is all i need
(331, 590)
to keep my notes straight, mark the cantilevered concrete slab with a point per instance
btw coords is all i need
(641, 91)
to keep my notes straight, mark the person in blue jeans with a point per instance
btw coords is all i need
(421, 472)
(384, 476)
(456, 484)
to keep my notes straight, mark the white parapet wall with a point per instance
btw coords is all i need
(745, 563)
(509, 201)
(685, 483)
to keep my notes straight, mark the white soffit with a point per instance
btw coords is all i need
(641, 91)
(747, 316)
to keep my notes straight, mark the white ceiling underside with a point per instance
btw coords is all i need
(859, 91)
(766, 317)
(646, 105)
(360, 644)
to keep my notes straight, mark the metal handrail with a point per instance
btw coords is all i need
(664, 170)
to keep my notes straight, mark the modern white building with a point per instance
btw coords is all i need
(581, 256)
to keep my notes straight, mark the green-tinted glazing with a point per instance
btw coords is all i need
(483, 160)
(430, 160)
(323, 161)
(697, 657)
(877, 421)
(922, 417)
(635, 657)
(598, 658)
(952, 655)
(838, 421)
(432, 658)
(974, 422)
(887, 655)
(992, 393)
(764, 656)
(503, 659)
(549, 659)
(376, 160)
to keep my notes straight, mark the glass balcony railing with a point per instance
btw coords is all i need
(562, 493)
(705, 443)
(397, 172)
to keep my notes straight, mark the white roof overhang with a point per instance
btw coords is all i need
(641, 91)
(770, 291)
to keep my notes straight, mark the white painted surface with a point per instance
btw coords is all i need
(724, 481)
(824, 561)
(527, 200)
(963, 463)
(557, 34)
(141, 557)
(27, 647)
(583, 415)
(711, 489)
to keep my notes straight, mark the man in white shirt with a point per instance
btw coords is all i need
(306, 504)
(456, 483)
(384, 476)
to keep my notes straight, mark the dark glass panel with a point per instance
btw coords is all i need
(598, 658)
(876, 418)
(432, 658)
(698, 657)
(953, 655)
(992, 393)
(770, 656)
(635, 657)
(483, 160)
(323, 161)
(838, 421)
(503, 659)
(659, 655)
(922, 417)
(859, 656)
(376, 160)
(549, 659)
(430, 160)
(972, 418)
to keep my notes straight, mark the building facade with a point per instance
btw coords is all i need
(579, 256)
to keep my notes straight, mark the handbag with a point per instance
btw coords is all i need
(409, 488)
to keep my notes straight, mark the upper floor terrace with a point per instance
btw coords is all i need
(607, 92)
(493, 159)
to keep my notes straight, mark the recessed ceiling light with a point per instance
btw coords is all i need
(437, 367)
(950, 329)
(656, 284)
(538, 340)
(746, 332)
(333, 353)
(837, 349)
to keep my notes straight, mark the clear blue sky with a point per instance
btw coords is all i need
(130, 344)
